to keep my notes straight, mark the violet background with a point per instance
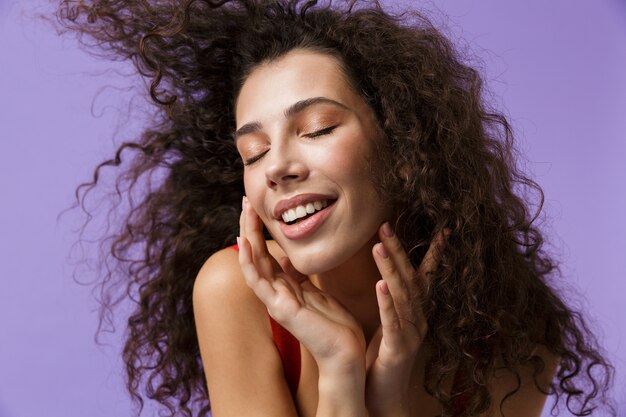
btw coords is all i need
(558, 68)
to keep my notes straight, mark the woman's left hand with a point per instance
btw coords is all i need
(392, 352)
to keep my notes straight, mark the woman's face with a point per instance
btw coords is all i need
(306, 139)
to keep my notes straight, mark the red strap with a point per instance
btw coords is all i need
(288, 349)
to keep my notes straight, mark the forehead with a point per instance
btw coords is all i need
(297, 75)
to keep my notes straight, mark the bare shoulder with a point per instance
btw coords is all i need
(238, 353)
(223, 302)
(220, 276)
(226, 310)
(221, 272)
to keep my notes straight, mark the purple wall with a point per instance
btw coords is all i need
(559, 68)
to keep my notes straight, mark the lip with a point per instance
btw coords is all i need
(299, 200)
(308, 226)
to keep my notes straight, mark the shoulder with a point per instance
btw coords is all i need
(236, 344)
(220, 271)
(221, 276)
(222, 298)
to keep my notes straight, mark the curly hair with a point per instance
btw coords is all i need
(448, 161)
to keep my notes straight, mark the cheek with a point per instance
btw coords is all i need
(252, 186)
(350, 162)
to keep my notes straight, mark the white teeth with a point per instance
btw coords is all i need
(291, 215)
(300, 211)
(303, 210)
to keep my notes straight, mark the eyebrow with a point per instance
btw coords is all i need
(290, 112)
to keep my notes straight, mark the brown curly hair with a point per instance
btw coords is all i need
(448, 161)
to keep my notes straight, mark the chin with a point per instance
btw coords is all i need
(311, 265)
(312, 260)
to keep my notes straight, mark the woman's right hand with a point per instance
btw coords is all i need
(324, 326)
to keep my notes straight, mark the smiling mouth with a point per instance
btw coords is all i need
(303, 212)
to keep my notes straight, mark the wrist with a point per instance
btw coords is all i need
(341, 395)
(342, 368)
(351, 384)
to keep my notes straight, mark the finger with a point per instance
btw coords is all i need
(396, 252)
(254, 230)
(260, 285)
(395, 283)
(326, 305)
(389, 319)
(313, 297)
(396, 329)
(242, 217)
(407, 304)
(293, 278)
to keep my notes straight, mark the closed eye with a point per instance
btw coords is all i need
(322, 132)
(254, 158)
(315, 134)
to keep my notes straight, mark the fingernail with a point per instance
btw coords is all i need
(380, 248)
(244, 201)
(383, 287)
(387, 229)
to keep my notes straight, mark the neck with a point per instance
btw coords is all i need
(353, 284)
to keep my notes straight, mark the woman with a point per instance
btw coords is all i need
(410, 279)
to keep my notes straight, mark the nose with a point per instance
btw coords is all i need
(284, 165)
